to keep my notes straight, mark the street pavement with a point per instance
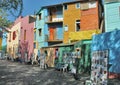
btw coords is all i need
(15, 73)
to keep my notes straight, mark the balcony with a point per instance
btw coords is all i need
(48, 39)
(50, 19)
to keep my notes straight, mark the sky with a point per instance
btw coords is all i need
(31, 6)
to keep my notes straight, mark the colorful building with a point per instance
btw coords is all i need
(90, 15)
(72, 15)
(83, 20)
(25, 41)
(112, 14)
(18, 40)
(13, 39)
(54, 24)
(4, 41)
(1, 43)
(1, 34)
(40, 31)
(48, 27)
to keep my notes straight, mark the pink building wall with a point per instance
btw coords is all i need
(26, 45)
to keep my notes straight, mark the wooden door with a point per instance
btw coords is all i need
(52, 33)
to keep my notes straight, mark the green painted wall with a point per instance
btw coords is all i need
(64, 49)
(85, 60)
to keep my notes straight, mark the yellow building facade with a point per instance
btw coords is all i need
(13, 40)
(35, 44)
(82, 35)
(71, 15)
(81, 20)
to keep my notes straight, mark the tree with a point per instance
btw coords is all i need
(12, 7)
(15, 7)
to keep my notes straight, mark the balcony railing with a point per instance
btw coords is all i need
(50, 19)
(47, 39)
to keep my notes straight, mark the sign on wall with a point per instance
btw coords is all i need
(99, 68)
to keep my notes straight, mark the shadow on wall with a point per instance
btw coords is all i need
(109, 41)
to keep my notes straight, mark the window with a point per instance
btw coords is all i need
(40, 16)
(65, 28)
(77, 5)
(10, 37)
(77, 25)
(40, 32)
(14, 35)
(24, 34)
(9, 50)
(34, 45)
(65, 7)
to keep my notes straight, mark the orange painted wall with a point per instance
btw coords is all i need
(89, 19)
(70, 16)
(66, 37)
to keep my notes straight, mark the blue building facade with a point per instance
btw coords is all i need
(109, 41)
(4, 42)
(41, 30)
(49, 26)
(54, 24)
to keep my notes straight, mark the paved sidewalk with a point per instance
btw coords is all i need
(14, 73)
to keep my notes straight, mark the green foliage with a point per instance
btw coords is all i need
(3, 19)
(12, 7)
(4, 48)
(15, 7)
(4, 23)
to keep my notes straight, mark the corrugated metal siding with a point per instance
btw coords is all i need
(112, 16)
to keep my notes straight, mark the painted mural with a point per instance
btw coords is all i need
(50, 56)
(109, 41)
(99, 67)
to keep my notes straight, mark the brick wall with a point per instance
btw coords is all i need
(89, 19)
